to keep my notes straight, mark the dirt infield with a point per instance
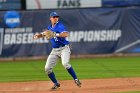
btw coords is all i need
(68, 86)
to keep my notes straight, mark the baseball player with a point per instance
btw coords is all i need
(57, 34)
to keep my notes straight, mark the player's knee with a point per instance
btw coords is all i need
(66, 65)
(48, 70)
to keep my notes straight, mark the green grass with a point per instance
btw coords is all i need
(85, 69)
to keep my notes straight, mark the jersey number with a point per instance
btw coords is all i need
(55, 38)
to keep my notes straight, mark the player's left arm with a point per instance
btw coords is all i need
(62, 31)
(62, 34)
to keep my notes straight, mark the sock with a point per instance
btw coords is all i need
(72, 73)
(52, 77)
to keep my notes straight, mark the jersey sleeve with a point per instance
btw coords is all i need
(62, 28)
(48, 27)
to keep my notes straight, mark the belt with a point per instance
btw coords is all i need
(61, 46)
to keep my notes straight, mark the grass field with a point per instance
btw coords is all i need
(85, 69)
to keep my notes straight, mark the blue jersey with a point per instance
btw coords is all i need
(58, 41)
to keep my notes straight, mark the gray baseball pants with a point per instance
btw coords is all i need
(56, 53)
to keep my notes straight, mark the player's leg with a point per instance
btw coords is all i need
(65, 57)
(51, 62)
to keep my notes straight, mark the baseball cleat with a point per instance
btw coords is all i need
(78, 83)
(55, 87)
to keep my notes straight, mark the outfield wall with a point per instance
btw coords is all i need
(92, 31)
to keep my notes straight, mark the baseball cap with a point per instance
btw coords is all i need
(52, 14)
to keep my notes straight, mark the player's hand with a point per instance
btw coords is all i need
(36, 36)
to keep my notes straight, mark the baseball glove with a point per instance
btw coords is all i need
(48, 34)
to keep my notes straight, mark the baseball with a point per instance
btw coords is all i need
(35, 36)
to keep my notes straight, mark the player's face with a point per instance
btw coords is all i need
(54, 19)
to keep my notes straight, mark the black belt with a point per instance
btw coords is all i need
(60, 46)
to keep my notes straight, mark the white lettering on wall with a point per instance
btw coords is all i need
(91, 36)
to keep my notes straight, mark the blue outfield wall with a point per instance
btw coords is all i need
(92, 31)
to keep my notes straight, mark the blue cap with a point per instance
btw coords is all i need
(52, 14)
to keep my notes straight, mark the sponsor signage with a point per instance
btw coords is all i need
(52, 4)
(12, 19)
(21, 36)
(94, 36)
(115, 30)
